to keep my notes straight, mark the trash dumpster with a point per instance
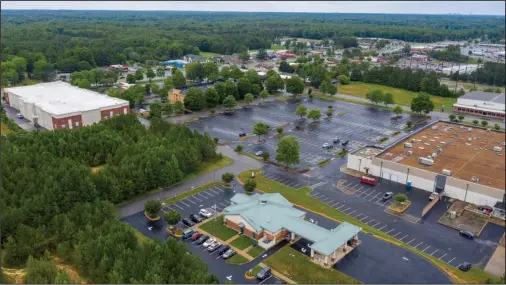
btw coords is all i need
(408, 186)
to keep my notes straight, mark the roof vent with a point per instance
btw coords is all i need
(263, 202)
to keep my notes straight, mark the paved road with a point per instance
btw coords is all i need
(240, 163)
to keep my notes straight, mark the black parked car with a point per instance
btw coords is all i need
(223, 249)
(196, 218)
(467, 234)
(242, 134)
(202, 239)
(345, 143)
(336, 140)
(464, 266)
(187, 222)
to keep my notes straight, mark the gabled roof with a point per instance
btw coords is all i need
(336, 238)
(484, 96)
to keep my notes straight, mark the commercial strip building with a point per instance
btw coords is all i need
(479, 103)
(461, 162)
(270, 218)
(57, 105)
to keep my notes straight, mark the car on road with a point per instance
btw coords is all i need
(465, 266)
(223, 249)
(188, 233)
(467, 234)
(196, 236)
(264, 273)
(202, 239)
(213, 247)
(327, 146)
(259, 153)
(387, 196)
(228, 254)
(19, 116)
(187, 222)
(205, 213)
(209, 241)
(336, 140)
(433, 196)
(195, 218)
(243, 134)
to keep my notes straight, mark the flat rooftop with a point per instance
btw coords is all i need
(368, 152)
(465, 158)
(484, 96)
(60, 98)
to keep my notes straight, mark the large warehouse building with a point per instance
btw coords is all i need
(483, 104)
(463, 162)
(57, 105)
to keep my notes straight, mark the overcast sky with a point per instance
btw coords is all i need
(404, 7)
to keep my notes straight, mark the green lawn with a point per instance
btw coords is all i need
(256, 251)
(303, 199)
(5, 129)
(277, 47)
(303, 271)
(210, 166)
(139, 236)
(237, 259)
(242, 242)
(335, 98)
(208, 54)
(401, 96)
(255, 270)
(216, 228)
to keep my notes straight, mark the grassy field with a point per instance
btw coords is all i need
(277, 47)
(237, 259)
(304, 271)
(208, 54)
(210, 166)
(242, 242)
(303, 199)
(256, 251)
(216, 228)
(255, 270)
(401, 96)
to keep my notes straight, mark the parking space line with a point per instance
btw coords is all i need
(358, 215)
(346, 209)
(451, 260)
(219, 189)
(340, 207)
(351, 212)
(384, 203)
(217, 193)
(382, 227)
(196, 198)
(184, 203)
(335, 204)
(205, 197)
(223, 204)
(374, 196)
(411, 241)
(370, 221)
(177, 206)
(389, 231)
(297, 185)
(325, 200)
(208, 193)
(418, 244)
(396, 234)
(434, 252)
(368, 194)
(364, 218)
(426, 248)
(188, 199)
(376, 224)
(403, 237)
(442, 256)
(316, 195)
(220, 209)
(163, 210)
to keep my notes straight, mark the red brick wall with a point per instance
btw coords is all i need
(116, 111)
(77, 121)
(246, 231)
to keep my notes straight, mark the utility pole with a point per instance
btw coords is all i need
(458, 73)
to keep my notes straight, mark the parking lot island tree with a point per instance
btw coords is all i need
(248, 99)
(409, 124)
(301, 111)
(288, 151)
(461, 117)
(238, 148)
(314, 114)
(400, 197)
(422, 104)
(397, 110)
(172, 218)
(266, 155)
(160, 72)
(280, 130)
(260, 129)
(229, 103)
(329, 113)
(227, 177)
(497, 127)
(249, 186)
(484, 123)
(264, 94)
(451, 117)
(476, 122)
(152, 209)
(294, 86)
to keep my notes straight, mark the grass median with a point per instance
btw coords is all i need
(256, 251)
(242, 242)
(237, 259)
(302, 198)
(302, 270)
(217, 228)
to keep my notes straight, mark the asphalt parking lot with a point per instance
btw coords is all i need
(360, 125)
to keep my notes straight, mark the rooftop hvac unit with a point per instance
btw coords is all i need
(469, 139)
(408, 145)
(469, 129)
(453, 214)
(447, 172)
(425, 161)
(462, 127)
(409, 153)
(434, 154)
(434, 127)
(497, 148)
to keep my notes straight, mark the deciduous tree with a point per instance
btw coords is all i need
(288, 151)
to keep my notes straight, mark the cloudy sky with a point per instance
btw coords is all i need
(415, 7)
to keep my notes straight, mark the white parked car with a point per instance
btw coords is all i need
(205, 213)
(18, 115)
(208, 242)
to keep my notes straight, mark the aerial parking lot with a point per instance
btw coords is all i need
(357, 124)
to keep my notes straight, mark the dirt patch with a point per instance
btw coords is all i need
(352, 172)
(467, 221)
(16, 275)
(224, 143)
(496, 263)
(259, 142)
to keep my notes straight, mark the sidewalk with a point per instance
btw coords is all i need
(239, 164)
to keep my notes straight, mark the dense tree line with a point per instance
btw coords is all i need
(82, 40)
(452, 53)
(490, 73)
(50, 198)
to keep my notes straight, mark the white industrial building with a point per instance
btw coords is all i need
(56, 105)
(483, 104)
(466, 163)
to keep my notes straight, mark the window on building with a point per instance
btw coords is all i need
(253, 235)
(77, 124)
(63, 126)
(105, 117)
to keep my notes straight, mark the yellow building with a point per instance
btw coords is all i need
(175, 95)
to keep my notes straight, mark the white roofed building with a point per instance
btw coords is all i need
(57, 105)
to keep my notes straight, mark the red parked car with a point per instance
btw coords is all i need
(196, 236)
(368, 180)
